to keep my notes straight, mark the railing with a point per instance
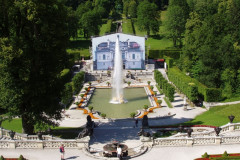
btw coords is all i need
(225, 128)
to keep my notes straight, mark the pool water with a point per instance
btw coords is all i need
(136, 98)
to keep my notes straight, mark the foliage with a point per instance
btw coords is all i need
(147, 17)
(177, 14)
(169, 104)
(225, 154)
(2, 158)
(212, 37)
(31, 58)
(128, 83)
(145, 106)
(132, 115)
(205, 155)
(67, 93)
(132, 9)
(167, 88)
(103, 115)
(169, 62)
(182, 82)
(159, 102)
(65, 75)
(77, 81)
(151, 87)
(90, 108)
(21, 157)
(82, 95)
(156, 54)
(149, 82)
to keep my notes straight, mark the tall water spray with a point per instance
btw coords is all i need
(117, 81)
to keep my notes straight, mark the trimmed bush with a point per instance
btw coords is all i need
(169, 62)
(170, 92)
(145, 106)
(132, 115)
(21, 157)
(205, 155)
(78, 81)
(67, 93)
(193, 92)
(103, 115)
(225, 154)
(65, 76)
(90, 108)
(182, 82)
(159, 54)
(2, 158)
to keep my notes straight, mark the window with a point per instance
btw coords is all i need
(133, 56)
(134, 63)
(104, 64)
(104, 57)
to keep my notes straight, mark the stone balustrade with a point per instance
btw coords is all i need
(225, 128)
(32, 144)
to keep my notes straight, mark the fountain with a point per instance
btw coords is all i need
(117, 81)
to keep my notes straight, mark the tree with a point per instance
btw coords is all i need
(31, 60)
(132, 9)
(78, 82)
(147, 17)
(177, 14)
(72, 23)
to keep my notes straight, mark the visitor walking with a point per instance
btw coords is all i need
(62, 151)
(119, 152)
(136, 123)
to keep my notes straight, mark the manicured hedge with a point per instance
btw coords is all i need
(78, 81)
(166, 87)
(169, 62)
(183, 82)
(109, 26)
(156, 54)
(65, 76)
(67, 93)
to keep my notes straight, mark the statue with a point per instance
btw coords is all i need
(88, 130)
(145, 122)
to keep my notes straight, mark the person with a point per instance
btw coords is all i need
(119, 151)
(136, 123)
(62, 151)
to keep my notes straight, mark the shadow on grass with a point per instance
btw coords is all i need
(79, 44)
(66, 133)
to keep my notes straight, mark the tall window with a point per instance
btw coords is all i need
(133, 56)
(104, 57)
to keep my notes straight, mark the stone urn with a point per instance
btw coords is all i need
(217, 130)
(189, 132)
(11, 134)
(231, 118)
(39, 134)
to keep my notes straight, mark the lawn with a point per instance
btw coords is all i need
(62, 132)
(217, 116)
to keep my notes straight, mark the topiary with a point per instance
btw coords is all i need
(145, 106)
(103, 115)
(90, 108)
(21, 157)
(225, 154)
(132, 115)
(205, 155)
(159, 102)
(2, 158)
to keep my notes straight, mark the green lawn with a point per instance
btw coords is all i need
(217, 116)
(62, 132)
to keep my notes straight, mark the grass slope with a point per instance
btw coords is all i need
(217, 116)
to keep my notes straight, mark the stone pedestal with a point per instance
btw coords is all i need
(218, 140)
(12, 144)
(83, 142)
(40, 144)
(189, 142)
